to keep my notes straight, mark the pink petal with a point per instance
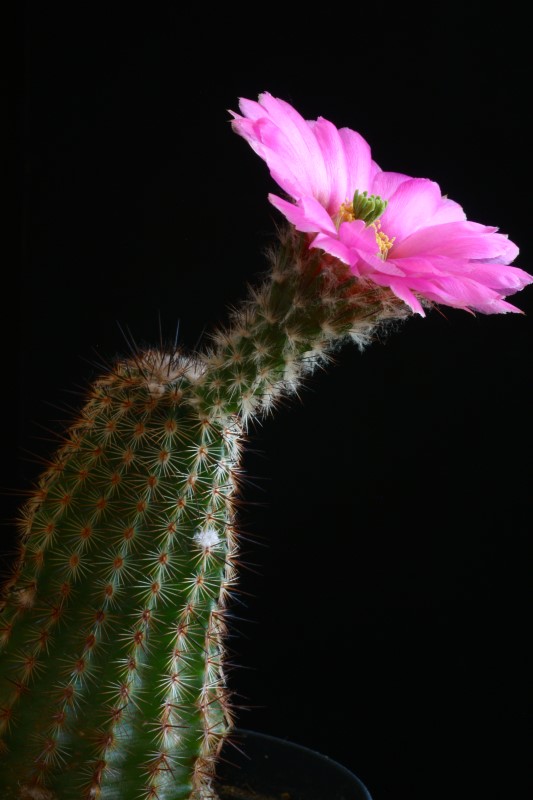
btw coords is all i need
(332, 245)
(303, 143)
(499, 307)
(499, 276)
(357, 247)
(334, 157)
(464, 294)
(361, 241)
(359, 165)
(411, 206)
(424, 267)
(448, 211)
(250, 108)
(402, 291)
(465, 240)
(290, 121)
(386, 183)
(358, 237)
(288, 166)
(462, 283)
(268, 142)
(285, 141)
(307, 215)
(459, 292)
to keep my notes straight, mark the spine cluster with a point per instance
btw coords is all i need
(112, 631)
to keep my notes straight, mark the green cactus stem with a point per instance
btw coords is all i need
(112, 680)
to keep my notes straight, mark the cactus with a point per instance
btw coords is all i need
(112, 626)
(113, 680)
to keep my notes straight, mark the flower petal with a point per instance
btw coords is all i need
(386, 183)
(499, 276)
(402, 291)
(307, 215)
(465, 240)
(335, 248)
(334, 156)
(458, 292)
(289, 168)
(290, 137)
(354, 243)
(448, 211)
(411, 206)
(361, 240)
(361, 170)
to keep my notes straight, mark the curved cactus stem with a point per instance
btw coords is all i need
(113, 682)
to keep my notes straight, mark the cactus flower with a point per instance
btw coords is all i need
(397, 231)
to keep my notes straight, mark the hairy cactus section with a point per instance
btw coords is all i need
(112, 666)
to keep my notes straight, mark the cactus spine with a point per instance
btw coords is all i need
(113, 624)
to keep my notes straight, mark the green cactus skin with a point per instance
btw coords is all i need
(112, 682)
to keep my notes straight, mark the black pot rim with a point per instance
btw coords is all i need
(353, 787)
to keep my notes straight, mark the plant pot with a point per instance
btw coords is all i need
(255, 766)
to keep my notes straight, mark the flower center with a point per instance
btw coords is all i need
(363, 206)
(368, 208)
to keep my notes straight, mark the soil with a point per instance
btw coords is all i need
(238, 793)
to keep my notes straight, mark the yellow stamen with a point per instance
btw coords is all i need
(382, 240)
(346, 212)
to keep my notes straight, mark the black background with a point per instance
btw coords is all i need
(388, 510)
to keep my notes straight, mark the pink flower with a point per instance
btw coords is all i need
(395, 230)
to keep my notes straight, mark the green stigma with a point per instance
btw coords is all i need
(368, 208)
